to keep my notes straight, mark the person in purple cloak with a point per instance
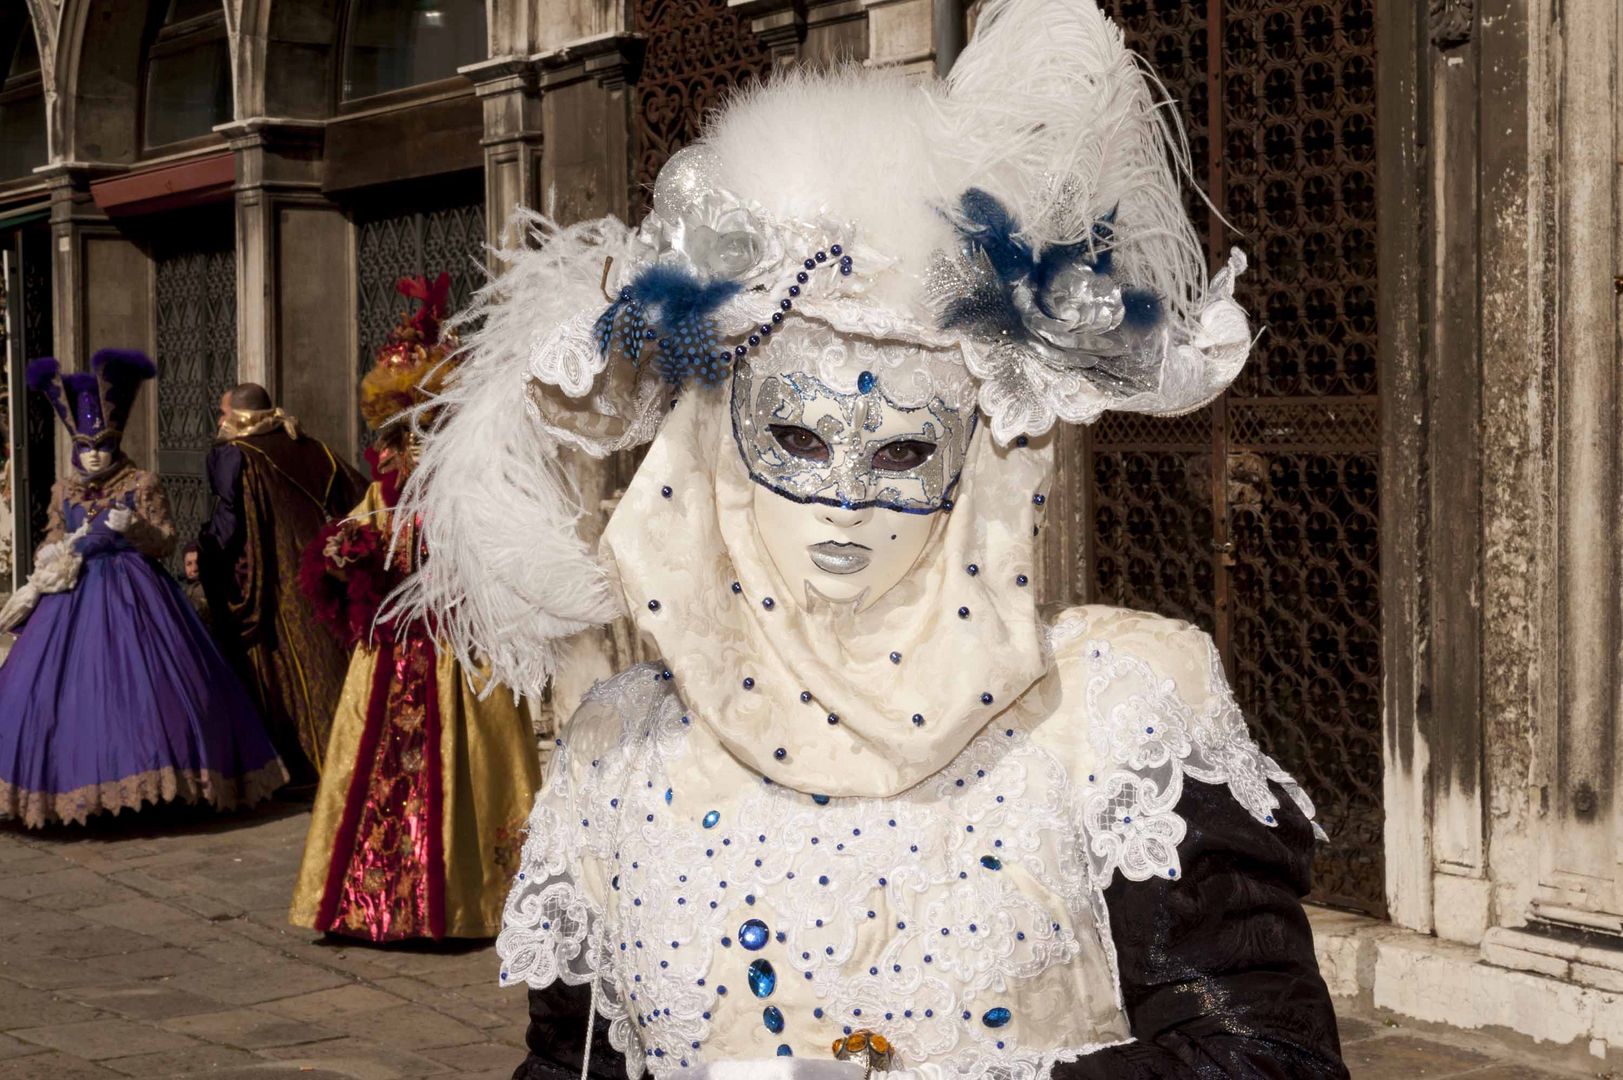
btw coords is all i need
(114, 695)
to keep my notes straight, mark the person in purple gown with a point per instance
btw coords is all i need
(114, 695)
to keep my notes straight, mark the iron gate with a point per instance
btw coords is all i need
(1256, 518)
(409, 243)
(28, 422)
(197, 360)
(698, 50)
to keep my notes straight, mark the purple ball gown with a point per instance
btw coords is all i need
(114, 695)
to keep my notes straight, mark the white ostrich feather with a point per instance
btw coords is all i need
(1048, 110)
(508, 575)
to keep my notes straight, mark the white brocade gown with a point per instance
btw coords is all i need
(725, 917)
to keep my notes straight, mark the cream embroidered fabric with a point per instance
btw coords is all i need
(963, 918)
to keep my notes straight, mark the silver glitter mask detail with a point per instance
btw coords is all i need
(855, 427)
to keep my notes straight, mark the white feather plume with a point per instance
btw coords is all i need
(508, 575)
(1048, 110)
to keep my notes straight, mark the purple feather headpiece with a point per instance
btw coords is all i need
(94, 405)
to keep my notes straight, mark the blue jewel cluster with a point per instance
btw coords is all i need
(666, 316)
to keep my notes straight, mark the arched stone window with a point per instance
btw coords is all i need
(188, 72)
(395, 44)
(22, 97)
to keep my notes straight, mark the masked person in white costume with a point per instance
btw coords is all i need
(870, 806)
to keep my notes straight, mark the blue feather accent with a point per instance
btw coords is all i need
(986, 227)
(669, 312)
(1141, 309)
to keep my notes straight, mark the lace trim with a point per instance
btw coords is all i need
(1149, 741)
(37, 809)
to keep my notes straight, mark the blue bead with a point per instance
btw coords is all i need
(1022, 441)
(836, 250)
(805, 695)
(810, 264)
(896, 658)
(794, 290)
(996, 1018)
(766, 329)
(1021, 579)
(763, 980)
(754, 340)
(821, 256)
(918, 719)
(865, 382)
(802, 277)
(711, 818)
(784, 1051)
(845, 269)
(986, 699)
(749, 684)
(768, 603)
(667, 796)
(820, 800)
(753, 935)
(665, 491)
(780, 753)
(785, 305)
(833, 718)
(972, 569)
(653, 605)
(1039, 499)
(773, 1019)
(991, 862)
(740, 350)
(737, 588)
(963, 613)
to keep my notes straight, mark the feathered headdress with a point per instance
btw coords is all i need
(1020, 225)
(410, 366)
(95, 405)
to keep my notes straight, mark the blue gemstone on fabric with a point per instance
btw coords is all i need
(749, 684)
(1021, 580)
(991, 862)
(763, 980)
(784, 1051)
(665, 491)
(753, 935)
(773, 1019)
(865, 382)
(711, 818)
(963, 613)
(996, 1018)
(918, 719)
(896, 658)
(667, 796)
(780, 753)
(820, 800)
(986, 699)
(653, 605)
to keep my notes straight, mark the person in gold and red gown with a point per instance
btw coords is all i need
(417, 821)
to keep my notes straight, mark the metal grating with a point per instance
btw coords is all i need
(410, 243)
(1257, 517)
(196, 294)
(698, 50)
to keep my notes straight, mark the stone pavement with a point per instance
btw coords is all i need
(156, 946)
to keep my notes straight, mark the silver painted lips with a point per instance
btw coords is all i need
(835, 558)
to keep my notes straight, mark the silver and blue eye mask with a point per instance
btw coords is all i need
(808, 442)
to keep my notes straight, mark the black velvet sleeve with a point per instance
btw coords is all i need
(1217, 969)
(557, 1035)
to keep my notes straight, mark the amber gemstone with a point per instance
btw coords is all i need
(857, 1043)
(839, 1044)
(881, 1045)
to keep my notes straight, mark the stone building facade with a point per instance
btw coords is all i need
(1401, 526)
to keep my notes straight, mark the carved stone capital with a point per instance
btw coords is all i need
(779, 24)
(1452, 22)
(612, 60)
